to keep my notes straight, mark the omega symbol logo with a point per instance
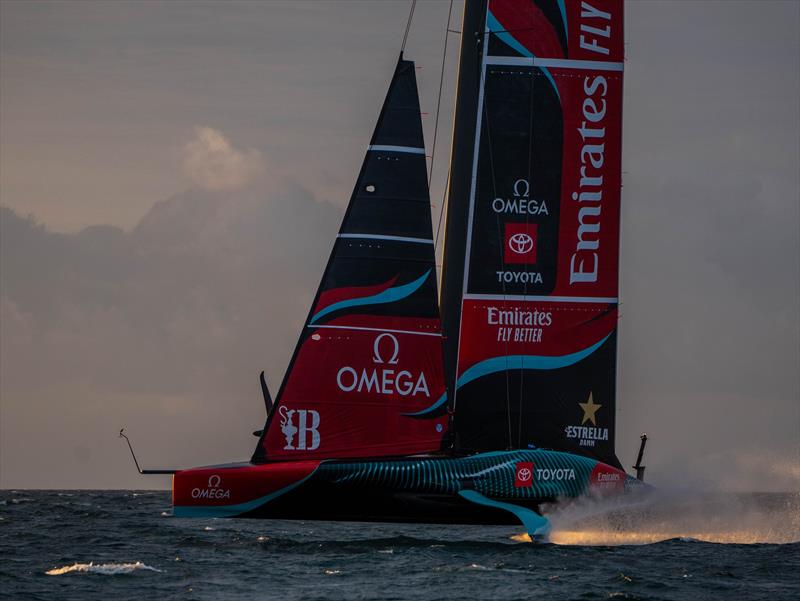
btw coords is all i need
(520, 243)
(214, 481)
(376, 349)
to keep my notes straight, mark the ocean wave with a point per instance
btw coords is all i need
(107, 569)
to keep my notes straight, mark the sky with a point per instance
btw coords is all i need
(172, 176)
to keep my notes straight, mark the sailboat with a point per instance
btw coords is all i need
(480, 405)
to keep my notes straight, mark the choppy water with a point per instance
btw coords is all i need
(124, 545)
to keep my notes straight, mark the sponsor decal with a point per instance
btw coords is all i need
(584, 261)
(518, 325)
(213, 490)
(520, 203)
(384, 379)
(595, 35)
(605, 478)
(519, 277)
(526, 474)
(589, 410)
(555, 474)
(521, 241)
(523, 477)
(587, 435)
(306, 430)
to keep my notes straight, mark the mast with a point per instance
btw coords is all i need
(461, 159)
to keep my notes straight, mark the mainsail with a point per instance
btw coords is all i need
(369, 355)
(530, 281)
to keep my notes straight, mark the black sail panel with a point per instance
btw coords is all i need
(530, 306)
(369, 356)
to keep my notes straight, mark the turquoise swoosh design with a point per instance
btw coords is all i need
(497, 28)
(563, 10)
(387, 296)
(495, 364)
(439, 402)
(537, 526)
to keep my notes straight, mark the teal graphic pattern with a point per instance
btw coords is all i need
(491, 474)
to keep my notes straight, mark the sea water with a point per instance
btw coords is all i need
(119, 545)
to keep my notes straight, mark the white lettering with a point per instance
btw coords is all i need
(342, 386)
(519, 277)
(588, 42)
(584, 262)
(555, 474)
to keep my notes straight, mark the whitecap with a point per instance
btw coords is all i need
(108, 569)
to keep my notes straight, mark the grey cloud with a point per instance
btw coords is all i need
(163, 329)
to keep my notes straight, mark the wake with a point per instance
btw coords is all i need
(660, 515)
(107, 569)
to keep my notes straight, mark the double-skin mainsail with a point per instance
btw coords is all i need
(529, 292)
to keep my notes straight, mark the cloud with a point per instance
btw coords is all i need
(211, 161)
(162, 329)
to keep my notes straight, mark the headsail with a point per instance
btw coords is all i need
(530, 284)
(370, 351)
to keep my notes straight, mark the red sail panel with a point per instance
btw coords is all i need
(590, 30)
(589, 217)
(537, 341)
(349, 391)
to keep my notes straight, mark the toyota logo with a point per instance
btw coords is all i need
(520, 243)
(523, 474)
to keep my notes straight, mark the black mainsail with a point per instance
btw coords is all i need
(369, 356)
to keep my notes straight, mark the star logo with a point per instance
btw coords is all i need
(589, 410)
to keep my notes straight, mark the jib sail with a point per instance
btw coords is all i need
(530, 282)
(370, 351)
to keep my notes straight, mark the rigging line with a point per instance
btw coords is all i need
(439, 97)
(436, 130)
(408, 26)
